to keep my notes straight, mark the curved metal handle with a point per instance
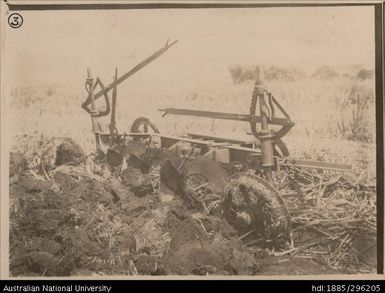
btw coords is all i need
(106, 99)
(272, 101)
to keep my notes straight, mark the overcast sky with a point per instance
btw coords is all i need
(57, 46)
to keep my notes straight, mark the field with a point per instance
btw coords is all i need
(67, 220)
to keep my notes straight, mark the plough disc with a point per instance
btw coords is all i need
(200, 171)
(114, 158)
(205, 171)
(170, 179)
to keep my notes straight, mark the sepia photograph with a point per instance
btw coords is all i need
(189, 139)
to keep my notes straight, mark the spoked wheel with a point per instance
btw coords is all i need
(143, 125)
(195, 189)
(253, 206)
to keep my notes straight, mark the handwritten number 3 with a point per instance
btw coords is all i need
(15, 21)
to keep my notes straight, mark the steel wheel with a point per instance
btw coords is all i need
(144, 125)
(253, 204)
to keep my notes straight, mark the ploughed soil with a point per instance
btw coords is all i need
(71, 215)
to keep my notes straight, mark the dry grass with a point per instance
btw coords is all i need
(330, 212)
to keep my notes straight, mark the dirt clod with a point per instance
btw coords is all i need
(149, 265)
(69, 152)
(17, 163)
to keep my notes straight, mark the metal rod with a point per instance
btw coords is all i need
(186, 158)
(271, 104)
(94, 118)
(113, 110)
(221, 139)
(90, 83)
(291, 162)
(266, 136)
(280, 107)
(264, 117)
(133, 70)
(222, 115)
(114, 95)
